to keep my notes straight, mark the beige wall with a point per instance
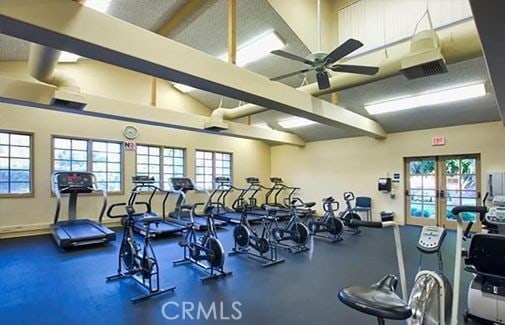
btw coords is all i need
(105, 80)
(249, 158)
(327, 168)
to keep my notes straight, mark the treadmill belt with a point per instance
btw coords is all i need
(82, 231)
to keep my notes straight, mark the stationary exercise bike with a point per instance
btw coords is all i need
(328, 223)
(350, 214)
(207, 249)
(136, 260)
(293, 231)
(484, 259)
(246, 238)
(430, 298)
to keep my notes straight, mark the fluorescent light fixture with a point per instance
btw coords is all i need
(262, 125)
(256, 48)
(183, 88)
(68, 57)
(295, 122)
(428, 99)
(98, 5)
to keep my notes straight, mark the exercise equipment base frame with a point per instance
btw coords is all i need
(294, 249)
(330, 238)
(214, 274)
(140, 298)
(273, 260)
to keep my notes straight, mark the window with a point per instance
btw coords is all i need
(160, 163)
(106, 161)
(173, 164)
(210, 165)
(15, 163)
(148, 162)
(104, 158)
(70, 155)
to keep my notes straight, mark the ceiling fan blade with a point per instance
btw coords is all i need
(291, 56)
(290, 74)
(344, 49)
(359, 69)
(323, 81)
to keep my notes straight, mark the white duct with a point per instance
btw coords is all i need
(42, 66)
(460, 42)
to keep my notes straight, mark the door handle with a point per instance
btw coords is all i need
(442, 194)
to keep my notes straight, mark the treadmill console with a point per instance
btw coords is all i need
(182, 184)
(142, 179)
(276, 180)
(222, 180)
(74, 182)
(252, 180)
(431, 239)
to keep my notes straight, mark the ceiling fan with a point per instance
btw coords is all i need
(320, 62)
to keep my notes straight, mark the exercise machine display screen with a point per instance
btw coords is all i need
(182, 184)
(74, 182)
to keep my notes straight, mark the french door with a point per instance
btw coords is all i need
(434, 185)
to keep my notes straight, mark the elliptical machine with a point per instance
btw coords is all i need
(135, 260)
(246, 237)
(427, 301)
(350, 214)
(293, 231)
(207, 249)
(328, 223)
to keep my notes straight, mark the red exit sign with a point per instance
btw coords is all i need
(438, 141)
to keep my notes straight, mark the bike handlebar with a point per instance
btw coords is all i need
(348, 196)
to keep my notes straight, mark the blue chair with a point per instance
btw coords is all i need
(364, 204)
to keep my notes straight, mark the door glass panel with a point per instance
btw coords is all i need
(452, 182)
(429, 181)
(461, 185)
(468, 182)
(422, 189)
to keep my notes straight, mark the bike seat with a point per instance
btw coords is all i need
(379, 299)
(149, 219)
(271, 208)
(309, 204)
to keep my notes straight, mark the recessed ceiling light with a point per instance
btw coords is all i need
(98, 5)
(256, 48)
(183, 88)
(427, 99)
(68, 57)
(295, 122)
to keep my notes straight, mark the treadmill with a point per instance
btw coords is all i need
(255, 187)
(165, 227)
(76, 232)
(219, 208)
(183, 185)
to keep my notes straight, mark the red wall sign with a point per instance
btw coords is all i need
(438, 141)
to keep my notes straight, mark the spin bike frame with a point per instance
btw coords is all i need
(191, 243)
(266, 233)
(137, 273)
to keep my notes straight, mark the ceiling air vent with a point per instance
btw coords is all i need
(216, 126)
(67, 100)
(425, 58)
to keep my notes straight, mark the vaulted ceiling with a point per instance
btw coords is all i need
(205, 29)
